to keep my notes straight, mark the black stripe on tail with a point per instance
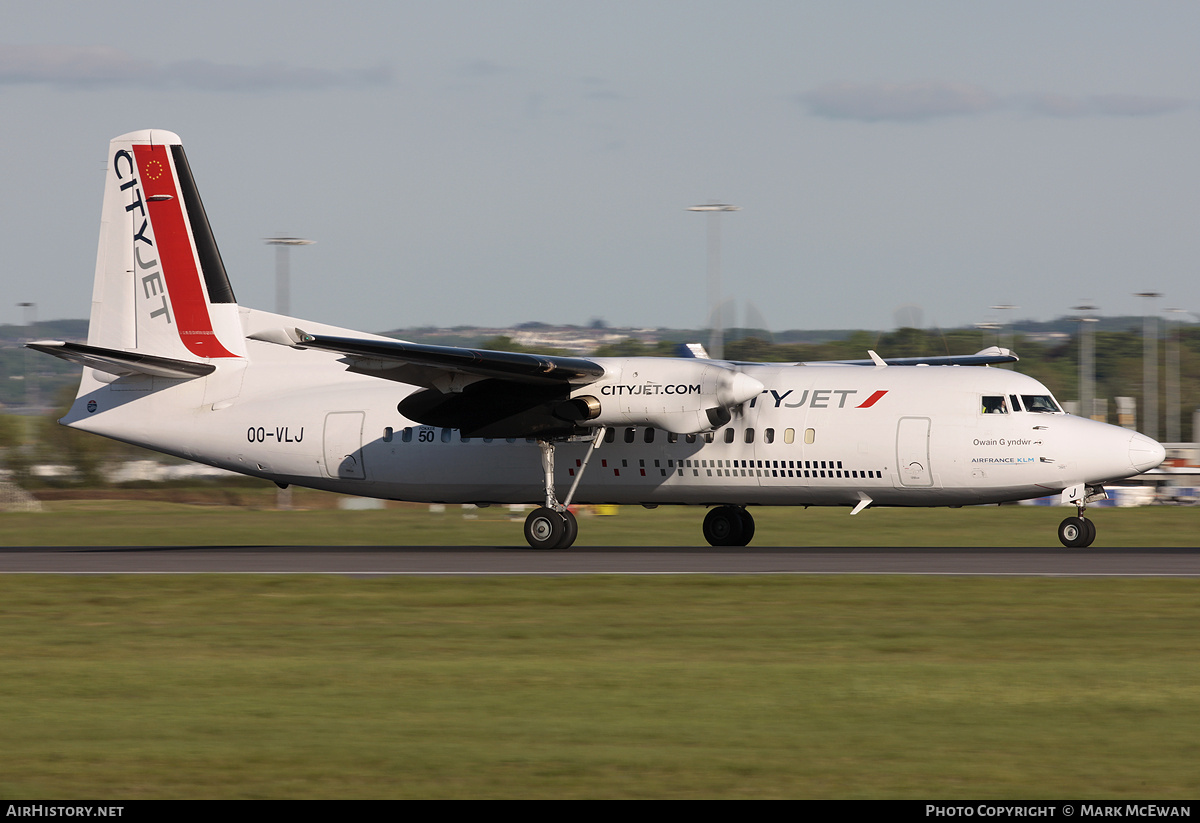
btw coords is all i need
(215, 279)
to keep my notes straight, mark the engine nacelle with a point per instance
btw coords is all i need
(680, 396)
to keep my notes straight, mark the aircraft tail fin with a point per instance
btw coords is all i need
(161, 288)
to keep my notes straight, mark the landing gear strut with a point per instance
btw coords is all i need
(552, 525)
(728, 526)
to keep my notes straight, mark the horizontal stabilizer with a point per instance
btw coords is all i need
(122, 363)
(514, 366)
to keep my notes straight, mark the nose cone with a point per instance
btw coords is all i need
(738, 388)
(1145, 453)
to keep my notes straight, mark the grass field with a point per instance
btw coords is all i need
(252, 522)
(300, 687)
(212, 686)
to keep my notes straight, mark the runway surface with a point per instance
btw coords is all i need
(447, 560)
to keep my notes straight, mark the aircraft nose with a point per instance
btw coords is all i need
(1145, 453)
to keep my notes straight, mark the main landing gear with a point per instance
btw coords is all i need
(552, 525)
(547, 528)
(728, 526)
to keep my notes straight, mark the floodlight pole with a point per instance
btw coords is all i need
(29, 386)
(30, 313)
(1174, 435)
(283, 305)
(1005, 327)
(716, 339)
(1150, 378)
(283, 299)
(1087, 362)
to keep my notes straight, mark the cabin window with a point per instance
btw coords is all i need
(768, 435)
(463, 438)
(387, 435)
(406, 435)
(689, 438)
(729, 435)
(994, 404)
(629, 433)
(672, 437)
(610, 435)
(810, 436)
(649, 437)
(709, 437)
(447, 434)
(749, 435)
(789, 436)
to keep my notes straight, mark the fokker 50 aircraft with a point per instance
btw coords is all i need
(173, 363)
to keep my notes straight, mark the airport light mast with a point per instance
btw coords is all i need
(716, 338)
(29, 386)
(1087, 361)
(1150, 378)
(283, 245)
(1005, 327)
(1174, 434)
(283, 305)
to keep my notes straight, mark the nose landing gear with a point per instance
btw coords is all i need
(1078, 532)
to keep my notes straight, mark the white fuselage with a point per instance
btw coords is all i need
(817, 435)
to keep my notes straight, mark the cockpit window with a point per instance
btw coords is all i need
(1042, 403)
(994, 404)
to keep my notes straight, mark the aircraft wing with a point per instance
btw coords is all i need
(987, 357)
(426, 365)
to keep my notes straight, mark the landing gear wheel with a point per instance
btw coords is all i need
(723, 526)
(747, 527)
(1090, 525)
(1076, 532)
(544, 528)
(570, 530)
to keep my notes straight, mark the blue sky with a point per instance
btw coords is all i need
(488, 163)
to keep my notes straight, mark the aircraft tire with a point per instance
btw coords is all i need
(723, 526)
(570, 530)
(1073, 532)
(1090, 526)
(544, 528)
(747, 527)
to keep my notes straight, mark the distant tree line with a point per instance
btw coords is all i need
(26, 440)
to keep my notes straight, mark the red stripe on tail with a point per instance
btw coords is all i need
(178, 260)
